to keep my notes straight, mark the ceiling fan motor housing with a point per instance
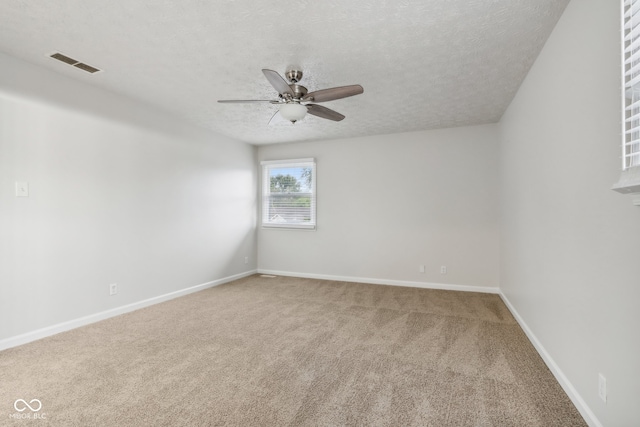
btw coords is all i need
(298, 91)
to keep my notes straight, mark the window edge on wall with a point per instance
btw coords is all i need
(629, 181)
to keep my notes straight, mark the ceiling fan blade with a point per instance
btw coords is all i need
(238, 101)
(324, 112)
(277, 82)
(333, 93)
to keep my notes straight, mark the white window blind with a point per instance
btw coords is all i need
(289, 193)
(631, 79)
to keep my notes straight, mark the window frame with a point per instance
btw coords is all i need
(629, 182)
(265, 193)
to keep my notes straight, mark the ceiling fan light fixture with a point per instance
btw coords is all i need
(293, 111)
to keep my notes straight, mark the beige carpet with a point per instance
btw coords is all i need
(291, 352)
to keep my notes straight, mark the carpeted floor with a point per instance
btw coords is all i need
(291, 352)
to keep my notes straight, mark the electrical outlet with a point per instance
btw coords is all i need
(246, 260)
(602, 387)
(443, 269)
(422, 269)
(113, 289)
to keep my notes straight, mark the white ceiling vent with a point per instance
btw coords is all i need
(74, 62)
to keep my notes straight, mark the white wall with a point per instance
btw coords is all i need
(570, 248)
(388, 204)
(119, 193)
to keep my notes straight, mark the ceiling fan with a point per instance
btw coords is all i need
(295, 101)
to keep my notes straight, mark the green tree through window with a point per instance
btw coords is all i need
(284, 184)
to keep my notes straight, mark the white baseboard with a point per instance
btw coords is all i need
(424, 285)
(92, 318)
(573, 394)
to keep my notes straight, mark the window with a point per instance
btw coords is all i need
(631, 80)
(289, 193)
(629, 182)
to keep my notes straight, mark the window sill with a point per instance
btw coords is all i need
(629, 183)
(290, 227)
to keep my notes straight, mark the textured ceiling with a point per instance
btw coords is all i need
(424, 64)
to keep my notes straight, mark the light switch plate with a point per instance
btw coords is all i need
(22, 189)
